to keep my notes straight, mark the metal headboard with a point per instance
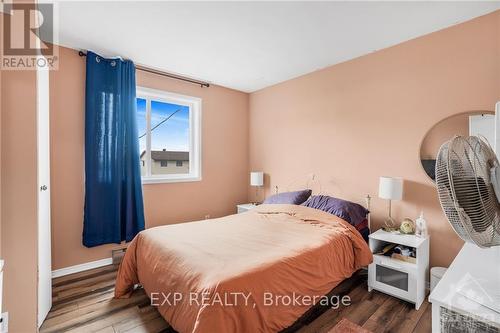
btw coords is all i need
(311, 180)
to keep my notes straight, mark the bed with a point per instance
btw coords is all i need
(253, 272)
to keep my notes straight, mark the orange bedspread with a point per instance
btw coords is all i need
(251, 272)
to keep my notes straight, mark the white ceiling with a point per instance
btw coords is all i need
(251, 45)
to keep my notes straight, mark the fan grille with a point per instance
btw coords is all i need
(465, 191)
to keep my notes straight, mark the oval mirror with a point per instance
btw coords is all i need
(464, 124)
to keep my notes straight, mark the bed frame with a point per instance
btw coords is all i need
(344, 288)
(366, 204)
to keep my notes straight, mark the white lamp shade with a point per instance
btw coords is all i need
(256, 178)
(390, 188)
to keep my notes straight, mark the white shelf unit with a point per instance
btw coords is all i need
(401, 279)
(241, 208)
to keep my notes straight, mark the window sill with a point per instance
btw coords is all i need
(170, 179)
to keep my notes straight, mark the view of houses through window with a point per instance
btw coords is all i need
(168, 133)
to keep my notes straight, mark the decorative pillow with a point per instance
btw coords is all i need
(346, 210)
(292, 198)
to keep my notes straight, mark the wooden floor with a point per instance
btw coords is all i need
(83, 302)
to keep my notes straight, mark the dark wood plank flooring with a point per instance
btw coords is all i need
(83, 302)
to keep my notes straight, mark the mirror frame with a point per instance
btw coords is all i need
(471, 113)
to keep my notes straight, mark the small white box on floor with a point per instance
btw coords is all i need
(436, 275)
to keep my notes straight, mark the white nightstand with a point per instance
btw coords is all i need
(244, 207)
(401, 279)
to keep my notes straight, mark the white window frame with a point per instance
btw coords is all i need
(194, 104)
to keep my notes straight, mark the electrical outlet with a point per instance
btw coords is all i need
(4, 325)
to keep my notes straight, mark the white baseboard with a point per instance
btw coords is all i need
(82, 267)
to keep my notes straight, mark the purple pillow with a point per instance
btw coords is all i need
(292, 198)
(346, 210)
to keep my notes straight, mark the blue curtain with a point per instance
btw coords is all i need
(113, 194)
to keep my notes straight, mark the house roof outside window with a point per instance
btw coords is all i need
(168, 155)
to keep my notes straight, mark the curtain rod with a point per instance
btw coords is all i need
(158, 72)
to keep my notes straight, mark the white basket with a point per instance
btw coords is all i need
(436, 275)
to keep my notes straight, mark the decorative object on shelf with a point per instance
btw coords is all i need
(256, 180)
(390, 188)
(421, 228)
(407, 226)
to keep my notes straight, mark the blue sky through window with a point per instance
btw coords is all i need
(173, 134)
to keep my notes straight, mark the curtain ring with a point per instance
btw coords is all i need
(97, 59)
(113, 63)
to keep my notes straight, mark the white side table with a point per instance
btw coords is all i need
(401, 279)
(241, 208)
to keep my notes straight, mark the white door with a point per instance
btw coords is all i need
(44, 239)
(484, 125)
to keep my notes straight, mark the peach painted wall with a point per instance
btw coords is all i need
(353, 122)
(224, 161)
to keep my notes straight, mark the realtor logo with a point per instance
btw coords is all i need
(28, 36)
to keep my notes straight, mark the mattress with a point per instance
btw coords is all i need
(253, 272)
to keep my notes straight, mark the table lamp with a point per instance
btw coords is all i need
(256, 180)
(390, 188)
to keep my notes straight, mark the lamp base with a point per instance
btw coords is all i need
(390, 225)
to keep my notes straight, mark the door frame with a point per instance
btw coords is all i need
(44, 262)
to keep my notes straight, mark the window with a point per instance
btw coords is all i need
(168, 131)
